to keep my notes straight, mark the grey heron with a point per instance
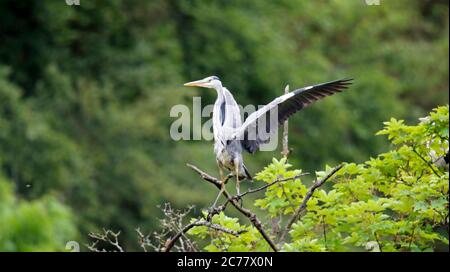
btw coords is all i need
(232, 136)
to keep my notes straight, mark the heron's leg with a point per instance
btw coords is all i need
(238, 184)
(222, 184)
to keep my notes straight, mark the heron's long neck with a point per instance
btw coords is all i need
(219, 108)
(220, 94)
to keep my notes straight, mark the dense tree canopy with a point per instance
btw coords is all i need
(86, 91)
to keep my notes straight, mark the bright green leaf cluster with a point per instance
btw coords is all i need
(283, 197)
(397, 201)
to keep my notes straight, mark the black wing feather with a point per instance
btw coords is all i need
(306, 96)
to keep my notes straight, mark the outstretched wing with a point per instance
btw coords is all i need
(250, 132)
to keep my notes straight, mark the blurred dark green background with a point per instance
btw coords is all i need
(86, 91)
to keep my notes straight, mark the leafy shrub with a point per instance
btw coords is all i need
(39, 225)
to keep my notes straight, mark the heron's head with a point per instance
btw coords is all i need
(207, 82)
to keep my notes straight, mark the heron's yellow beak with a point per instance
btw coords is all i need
(197, 83)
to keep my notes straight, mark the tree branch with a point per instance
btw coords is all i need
(298, 213)
(246, 212)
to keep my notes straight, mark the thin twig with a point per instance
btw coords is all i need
(324, 232)
(246, 212)
(302, 208)
(378, 241)
(143, 239)
(411, 239)
(251, 191)
(427, 162)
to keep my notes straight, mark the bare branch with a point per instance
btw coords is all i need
(199, 222)
(299, 212)
(171, 224)
(204, 175)
(144, 241)
(108, 236)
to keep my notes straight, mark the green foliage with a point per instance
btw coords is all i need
(39, 225)
(282, 198)
(397, 201)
